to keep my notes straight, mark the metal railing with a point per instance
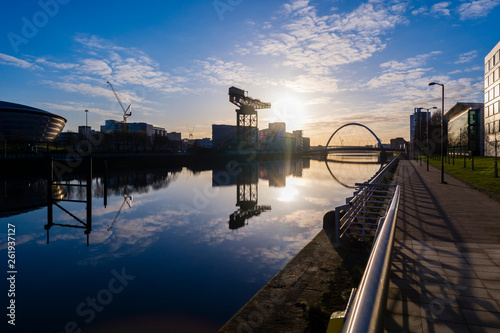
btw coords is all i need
(371, 212)
(366, 314)
(363, 212)
(367, 210)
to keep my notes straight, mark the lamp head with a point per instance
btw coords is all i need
(432, 83)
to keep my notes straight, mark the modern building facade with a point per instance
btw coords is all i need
(21, 123)
(84, 130)
(174, 136)
(159, 131)
(224, 136)
(492, 101)
(418, 131)
(398, 143)
(111, 126)
(465, 129)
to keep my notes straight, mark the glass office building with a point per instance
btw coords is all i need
(465, 131)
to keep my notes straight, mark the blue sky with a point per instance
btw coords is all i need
(320, 63)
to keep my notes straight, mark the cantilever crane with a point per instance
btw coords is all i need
(126, 112)
(247, 131)
(238, 98)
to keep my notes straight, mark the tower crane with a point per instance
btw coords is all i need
(190, 132)
(127, 199)
(126, 112)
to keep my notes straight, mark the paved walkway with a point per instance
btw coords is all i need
(446, 260)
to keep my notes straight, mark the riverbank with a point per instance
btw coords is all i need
(300, 297)
(312, 285)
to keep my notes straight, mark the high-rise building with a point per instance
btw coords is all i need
(492, 101)
(418, 131)
(84, 130)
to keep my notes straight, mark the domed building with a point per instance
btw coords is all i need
(21, 123)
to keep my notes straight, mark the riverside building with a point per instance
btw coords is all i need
(492, 101)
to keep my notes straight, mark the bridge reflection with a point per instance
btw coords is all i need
(349, 169)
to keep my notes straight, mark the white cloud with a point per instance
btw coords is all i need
(421, 10)
(95, 67)
(62, 65)
(82, 88)
(402, 72)
(128, 68)
(220, 72)
(13, 61)
(441, 8)
(476, 9)
(466, 57)
(319, 101)
(76, 107)
(314, 45)
(317, 44)
(312, 83)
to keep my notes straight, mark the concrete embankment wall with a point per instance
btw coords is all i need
(280, 305)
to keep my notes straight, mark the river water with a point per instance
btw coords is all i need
(173, 250)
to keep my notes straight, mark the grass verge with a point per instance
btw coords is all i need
(482, 176)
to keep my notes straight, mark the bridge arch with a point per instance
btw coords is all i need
(354, 124)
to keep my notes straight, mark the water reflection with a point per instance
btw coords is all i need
(22, 196)
(348, 168)
(126, 200)
(178, 245)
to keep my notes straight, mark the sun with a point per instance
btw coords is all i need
(290, 110)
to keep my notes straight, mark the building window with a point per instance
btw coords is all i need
(495, 108)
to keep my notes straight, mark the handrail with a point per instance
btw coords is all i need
(357, 203)
(368, 308)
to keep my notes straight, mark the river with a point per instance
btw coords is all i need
(173, 249)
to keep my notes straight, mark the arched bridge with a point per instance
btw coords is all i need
(353, 152)
(355, 140)
(352, 137)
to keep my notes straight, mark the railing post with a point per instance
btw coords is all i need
(89, 193)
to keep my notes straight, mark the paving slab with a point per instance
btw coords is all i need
(447, 241)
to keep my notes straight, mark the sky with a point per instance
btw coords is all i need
(321, 64)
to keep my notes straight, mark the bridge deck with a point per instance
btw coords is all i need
(446, 262)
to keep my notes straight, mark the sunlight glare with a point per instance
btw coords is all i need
(287, 194)
(290, 110)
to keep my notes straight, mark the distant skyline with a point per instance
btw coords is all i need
(320, 63)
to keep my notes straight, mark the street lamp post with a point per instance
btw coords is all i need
(86, 126)
(86, 120)
(442, 128)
